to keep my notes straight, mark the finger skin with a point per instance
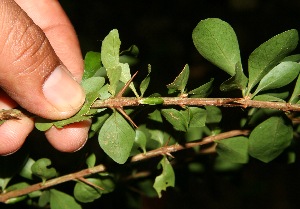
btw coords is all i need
(70, 138)
(32, 56)
(51, 18)
(28, 61)
(14, 133)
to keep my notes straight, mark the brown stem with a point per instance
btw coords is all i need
(177, 147)
(100, 168)
(40, 186)
(225, 102)
(118, 102)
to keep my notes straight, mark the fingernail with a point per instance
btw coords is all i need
(62, 91)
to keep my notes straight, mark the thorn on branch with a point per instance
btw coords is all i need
(121, 110)
(120, 94)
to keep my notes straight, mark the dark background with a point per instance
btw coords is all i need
(162, 31)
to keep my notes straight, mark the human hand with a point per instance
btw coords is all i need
(37, 46)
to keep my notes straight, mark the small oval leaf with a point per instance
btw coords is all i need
(92, 63)
(86, 193)
(270, 138)
(179, 121)
(234, 149)
(116, 138)
(279, 76)
(269, 54)
(203, 90)
(180, 81)
(216, 41)
(40, 169)
(166, 178)
(59, 200)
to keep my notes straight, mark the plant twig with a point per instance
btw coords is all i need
(181, 101)
(100, 168)
(119, 95)
(118, 102)
(177, 147)
(40, 186)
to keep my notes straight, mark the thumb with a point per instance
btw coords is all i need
(30, 71)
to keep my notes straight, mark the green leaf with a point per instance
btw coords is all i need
(20, 185)
(233, 149)
(145, 83)
(180, 81)
(132, 51)
(44, 199)
(110, 58)
(114, 75)
(269, 54)
(214, 114)
(141, 140)
(91, 160)
(158, 135)
(267, 97)
(282, 95)
(258, 115)
(279, 76)
(26, 171)
(110, 49)
(98, 122)
(35, 194)
(166, 178)
(203, 90)
(59, 200)
(292, 58)
(116, 138)
(178, 120)
(40, 169)
(92, 63)
(155, 116)
(130, 55)
(216, 41)
(197, 117)
(104, 94)
(42, 124)
(4, 182)
(126, 76)
(238, 81)
(270, 138)
(17, 186)
(86, 193)
(107, 184)
(92, 86)
(296, 93)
